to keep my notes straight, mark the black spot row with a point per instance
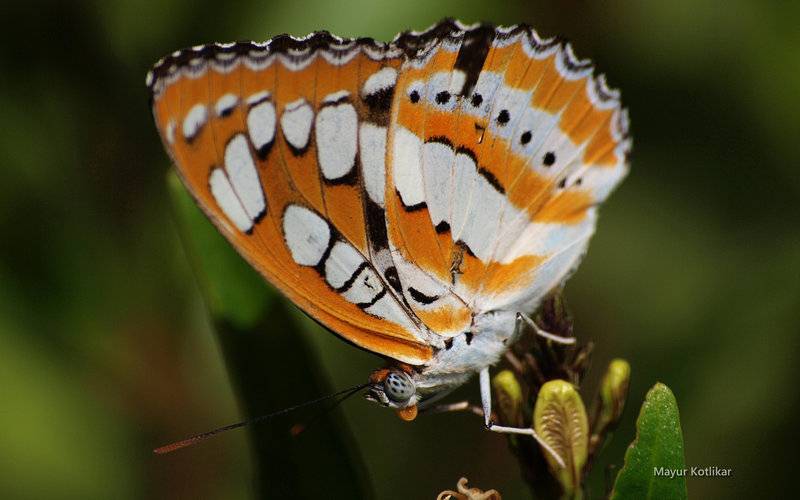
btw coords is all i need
(503, 117)
(477, 99)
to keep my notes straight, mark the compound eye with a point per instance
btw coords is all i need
(398, 387)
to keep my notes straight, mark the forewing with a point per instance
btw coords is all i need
(280, 144)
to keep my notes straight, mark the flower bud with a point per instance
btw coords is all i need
(509, 398)
(559, 418)
(613, 393)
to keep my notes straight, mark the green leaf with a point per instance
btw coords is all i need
(654, 463)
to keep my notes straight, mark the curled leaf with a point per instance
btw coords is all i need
(465, 493)
(559, 418)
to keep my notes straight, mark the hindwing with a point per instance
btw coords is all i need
(503, 144)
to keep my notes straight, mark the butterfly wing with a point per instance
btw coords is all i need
(395, 191)
(502, 146)
(281, 145)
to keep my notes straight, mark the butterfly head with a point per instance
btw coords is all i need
(395, 388)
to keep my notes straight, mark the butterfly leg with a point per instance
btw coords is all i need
(450, 407)
(486, 400)
(522, 317)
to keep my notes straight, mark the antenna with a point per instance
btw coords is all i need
(299, 427)
(161, 450)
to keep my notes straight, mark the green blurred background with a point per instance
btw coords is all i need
(106, 349)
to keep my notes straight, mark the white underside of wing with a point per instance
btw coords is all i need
(372, 150)
(438, 179)
(550, 273)
(542, 238)
(464, 178)
(406, 167)
(482, 222)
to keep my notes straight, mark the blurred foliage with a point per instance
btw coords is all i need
(105, 345)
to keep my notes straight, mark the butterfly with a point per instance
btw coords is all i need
(415, 197)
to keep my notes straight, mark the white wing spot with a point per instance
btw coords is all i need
(372, 151)
(365, 288)
(225, 104)
(307, 235)
(242, 172)
(465, 176)
(171, 131)
(225, 197)
(388, 309)
(336, 130)
(261, 125)
(481, 225)
(194, 121)
(441, 90)
(383, 79)
(406, 166)
(438, 163)
(296, 123)
(343, 261)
